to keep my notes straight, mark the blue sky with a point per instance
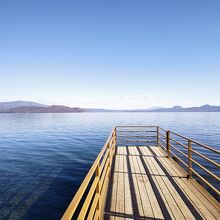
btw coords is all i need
(110, 54)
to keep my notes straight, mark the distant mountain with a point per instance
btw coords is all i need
(47, 109)
(32, 107)
(15, 104)
(203, 108)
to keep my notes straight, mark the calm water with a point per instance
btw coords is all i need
(44, 157)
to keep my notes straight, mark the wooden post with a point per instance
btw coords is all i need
(157, 136)
(168, 144)
(109, 154)
(189, 158)
(114, 140)
(97, 174)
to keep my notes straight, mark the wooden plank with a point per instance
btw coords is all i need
(181, 204)
(176, 169)
(136, 188)
(153, 200)
(119, 150)
(195, 201)
(151, 170)
(127, 191)
(133, 150)
(157, 168)
(145, 151)
(206, 194)
(197, 187)
(159, 151)
(124, 151)
(161, 178)
(129, 150)
(209, 206)
(176, 204)
(120, 202)
(168, 196)
(114, 188)
(201, 204)
(199, 201)
(193, 183)
(149, 190)
(147, 209)
(147, 204)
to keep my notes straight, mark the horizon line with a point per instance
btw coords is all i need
(114, 109)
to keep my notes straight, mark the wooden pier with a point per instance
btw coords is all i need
(146, 172)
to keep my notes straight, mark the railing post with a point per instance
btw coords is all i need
(189, 159)
(97, 174)
(109, 154)
(157, 136)
(168, 144)
(109, 147)
(114, 140)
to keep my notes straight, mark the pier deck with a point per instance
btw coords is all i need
(145, 184)
(147, 172)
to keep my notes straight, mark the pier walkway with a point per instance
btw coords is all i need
(147, 172)
(145, 184)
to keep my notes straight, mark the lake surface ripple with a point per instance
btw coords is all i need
(44, 157)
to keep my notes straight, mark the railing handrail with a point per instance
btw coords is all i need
(189, 157)
(193, 141)
(79, 194)
(133, 126)
(196, 142)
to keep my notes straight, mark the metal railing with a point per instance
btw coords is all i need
(188, 153)
(136, 135)
(89, 201)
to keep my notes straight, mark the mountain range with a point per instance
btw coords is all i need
(32, 107)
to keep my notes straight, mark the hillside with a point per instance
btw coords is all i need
(47, 109)
(15, 104)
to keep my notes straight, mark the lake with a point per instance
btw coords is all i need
(44, 157)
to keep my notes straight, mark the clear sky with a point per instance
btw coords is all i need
(110, 53)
